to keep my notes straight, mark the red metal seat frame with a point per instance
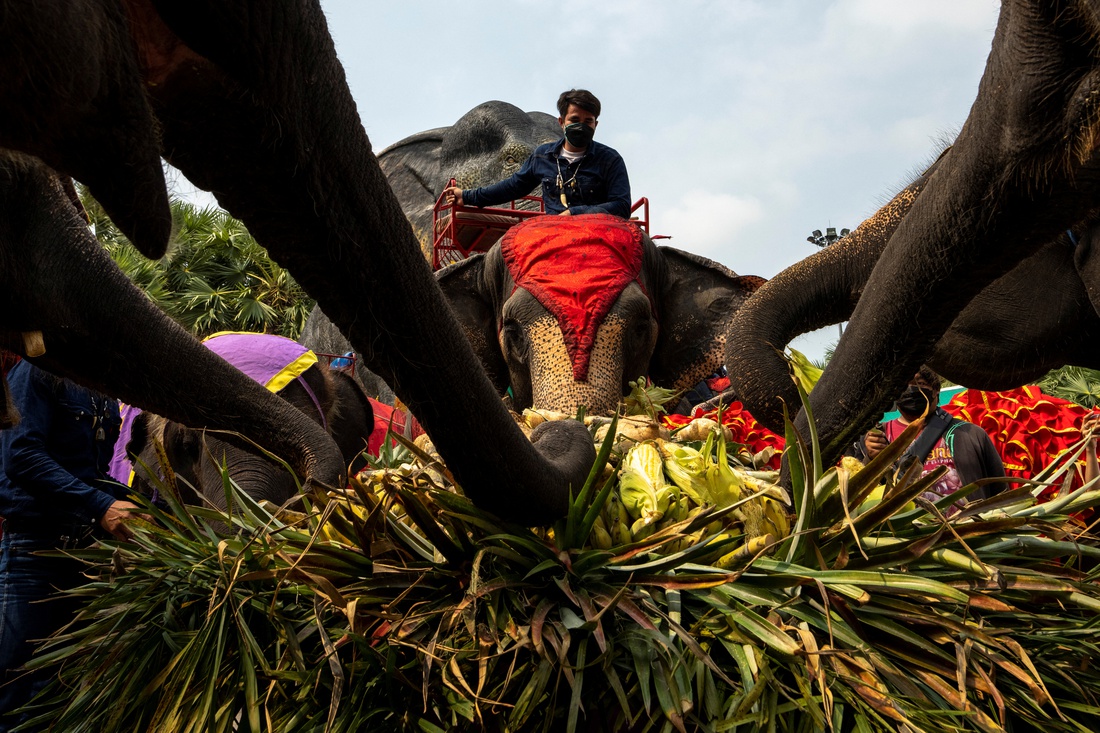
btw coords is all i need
(459, 231)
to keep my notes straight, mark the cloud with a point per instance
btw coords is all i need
(706, 223)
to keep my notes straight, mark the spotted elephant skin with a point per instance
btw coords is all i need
(487, 144)
(670, 324)
(342, 410)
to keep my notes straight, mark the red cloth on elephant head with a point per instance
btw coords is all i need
(576, 267)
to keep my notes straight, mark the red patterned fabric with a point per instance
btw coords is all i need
(744, 427)
(387, 418)
(1028, 428)
(576, 267)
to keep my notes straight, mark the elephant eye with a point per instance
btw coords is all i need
(640, 328)
(514, 341)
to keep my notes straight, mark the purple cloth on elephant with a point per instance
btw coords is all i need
(120, 467)
(273, 361)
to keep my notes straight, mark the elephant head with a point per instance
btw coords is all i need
(1024, 168)
(486, 145)
(249, 101)
(567, 310)
(329, 398)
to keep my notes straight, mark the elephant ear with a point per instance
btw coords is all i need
(696, 300)
(182, 449)
(412, 165)
(412, 168)
(470, 294)
(351, 419)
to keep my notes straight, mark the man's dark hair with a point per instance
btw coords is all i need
(930, 377)
(583, 98)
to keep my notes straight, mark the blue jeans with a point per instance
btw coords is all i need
(30, 609)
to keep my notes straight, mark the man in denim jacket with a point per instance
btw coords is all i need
(577, 174)
(54, 494)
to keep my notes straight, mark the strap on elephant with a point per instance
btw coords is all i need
(920, 448)
(316, 402)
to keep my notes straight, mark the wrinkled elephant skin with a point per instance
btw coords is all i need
(100, 329)
(1023, 169)
(341, 408)
(1003, 338)
(249, 101)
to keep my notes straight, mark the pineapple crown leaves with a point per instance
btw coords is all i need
(648, 399)
(380, 629)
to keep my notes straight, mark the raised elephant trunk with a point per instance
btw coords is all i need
(815, 292)
(1024, 168)
(266, 122)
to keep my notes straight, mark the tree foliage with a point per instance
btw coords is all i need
(1075, 384)
(215, 276)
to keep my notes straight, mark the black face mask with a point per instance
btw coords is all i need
(579, 134)
(914, 400)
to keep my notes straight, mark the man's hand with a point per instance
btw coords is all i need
(452, 195)
(567, 212)
(1090, 425)
(874, 442)
(114, 519)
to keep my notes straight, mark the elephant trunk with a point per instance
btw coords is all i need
(305, 181)
(95, 322)
(75, 108)
(818, 291)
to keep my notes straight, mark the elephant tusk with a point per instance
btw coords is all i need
(33, 345)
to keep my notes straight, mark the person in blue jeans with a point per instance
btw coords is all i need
(54, 494)
(578, 175)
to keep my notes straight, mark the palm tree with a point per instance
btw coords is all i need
(215, 277)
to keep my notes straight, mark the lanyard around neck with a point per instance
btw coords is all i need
(571, 183)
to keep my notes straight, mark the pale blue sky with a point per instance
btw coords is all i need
(747, 123)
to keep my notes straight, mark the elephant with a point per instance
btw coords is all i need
(1001, 339)
(96, 324)
(334, 400)
(487, 144)
(249, 101)
(1023, 169)
(323, 337)
(666, 318)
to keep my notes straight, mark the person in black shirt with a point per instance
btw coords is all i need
(966, 449)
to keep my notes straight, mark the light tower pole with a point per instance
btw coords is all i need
(824, 240)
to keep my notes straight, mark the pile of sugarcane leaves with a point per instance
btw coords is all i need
(399, 605)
